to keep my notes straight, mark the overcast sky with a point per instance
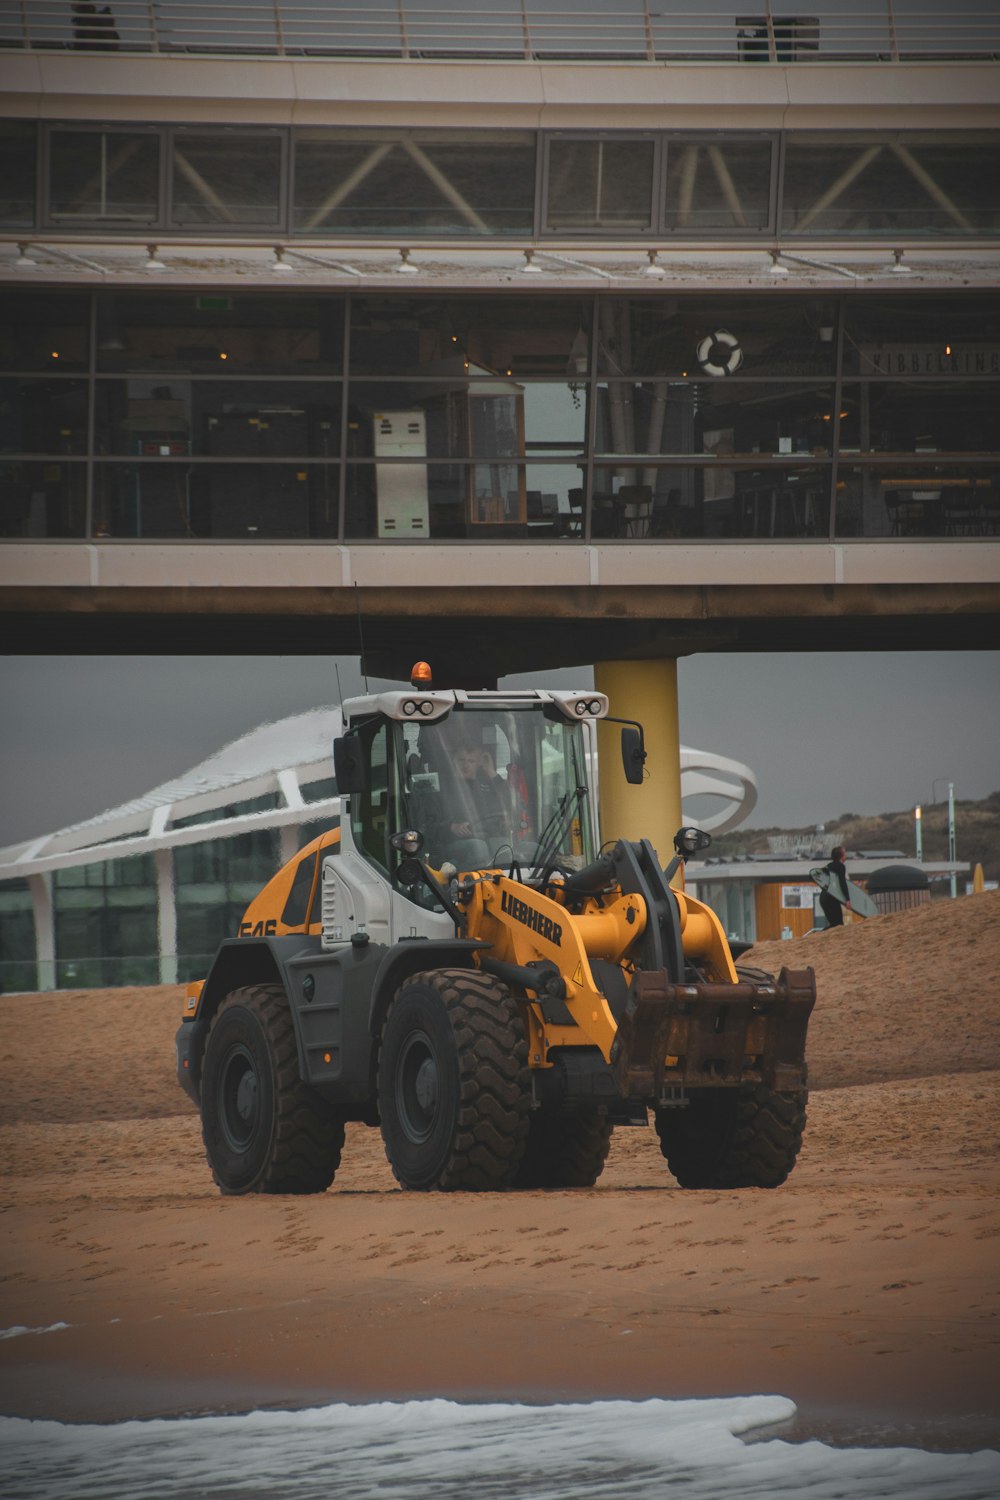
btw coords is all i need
(824, 734)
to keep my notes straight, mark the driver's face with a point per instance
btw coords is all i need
(468, 762)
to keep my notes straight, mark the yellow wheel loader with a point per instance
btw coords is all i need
(461, 966)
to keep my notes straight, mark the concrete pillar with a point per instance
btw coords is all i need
(288, 843)
(645, 691)
(166, 915)
(40, 887)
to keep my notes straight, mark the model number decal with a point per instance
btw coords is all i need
(259, 929)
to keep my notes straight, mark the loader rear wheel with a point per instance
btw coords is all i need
(564, 1150)
(265, 1131)
(733, 1138)
(453, 1086)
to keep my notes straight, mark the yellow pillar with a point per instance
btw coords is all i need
(645, 691)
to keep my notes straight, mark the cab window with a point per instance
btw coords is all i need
(296, 909)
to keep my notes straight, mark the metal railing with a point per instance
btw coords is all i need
(754, 31)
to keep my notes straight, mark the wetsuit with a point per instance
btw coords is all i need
(833, 909)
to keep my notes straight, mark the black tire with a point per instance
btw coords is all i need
(265, 1131)
(733, 1138)
(564, 1150)
(453, 1085)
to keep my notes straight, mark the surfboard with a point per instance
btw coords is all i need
(859, 901)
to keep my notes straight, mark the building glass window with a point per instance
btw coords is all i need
(47, 414)
(266, 802)
(177, 497)
(319, 791)
(716, 338)
(45, 498)
(715, 185)
(450, 339)
(911, 183)
(734, 499)
(935, 336)
(604, 184)
(104, 177)
(44, 330)
(18, 969)
(17, 174)
(414, 182)
(106, 923)
(482, 417)
(308, 831)
(227, 179)
(218, 334)
(215, 882)
(918, 497)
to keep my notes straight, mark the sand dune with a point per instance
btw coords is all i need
(866, 1288)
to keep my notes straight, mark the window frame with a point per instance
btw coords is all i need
(175, 133)
(46, 219)
(655, 138)
(674, 139)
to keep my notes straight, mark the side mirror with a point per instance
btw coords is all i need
(633, 754)
(349, 765)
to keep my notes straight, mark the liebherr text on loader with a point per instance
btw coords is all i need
(461, 967)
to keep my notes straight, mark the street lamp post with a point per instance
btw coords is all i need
(918, 816)
(951, 837)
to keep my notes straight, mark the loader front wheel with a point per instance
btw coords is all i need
(733, 1138)
(453, 1085)
(565, 1150)
(265, 1131)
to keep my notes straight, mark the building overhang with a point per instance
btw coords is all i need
(532, 268)
(509, 92)
(512, 607)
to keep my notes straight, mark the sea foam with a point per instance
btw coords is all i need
(606, 1450)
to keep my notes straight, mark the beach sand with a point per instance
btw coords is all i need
(867, 1288)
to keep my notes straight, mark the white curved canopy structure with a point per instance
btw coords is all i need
(707, 775)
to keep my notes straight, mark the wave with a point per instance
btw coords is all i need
(605, 1450)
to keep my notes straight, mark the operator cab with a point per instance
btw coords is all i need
(489, 780)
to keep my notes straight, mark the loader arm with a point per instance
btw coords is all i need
(532, 936)
(644, 974)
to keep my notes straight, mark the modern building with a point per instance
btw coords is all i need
(144, 893)
(543, 335)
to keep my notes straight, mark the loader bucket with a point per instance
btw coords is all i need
(712, 1035)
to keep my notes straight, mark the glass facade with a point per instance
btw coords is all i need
(214, 884)
(106, 923)
(106, 915)
(906, 184)
(603, 184)
(103, 177)
(371, 183)
(559, 418)
(18, 968)
(415, 182)
(18, 173)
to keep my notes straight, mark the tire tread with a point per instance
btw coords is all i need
(492, 1050)
(307, 1137)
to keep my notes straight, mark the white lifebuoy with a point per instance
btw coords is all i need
(719, 353)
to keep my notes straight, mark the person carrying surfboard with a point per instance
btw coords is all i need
(838, 894)
(836, 901)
